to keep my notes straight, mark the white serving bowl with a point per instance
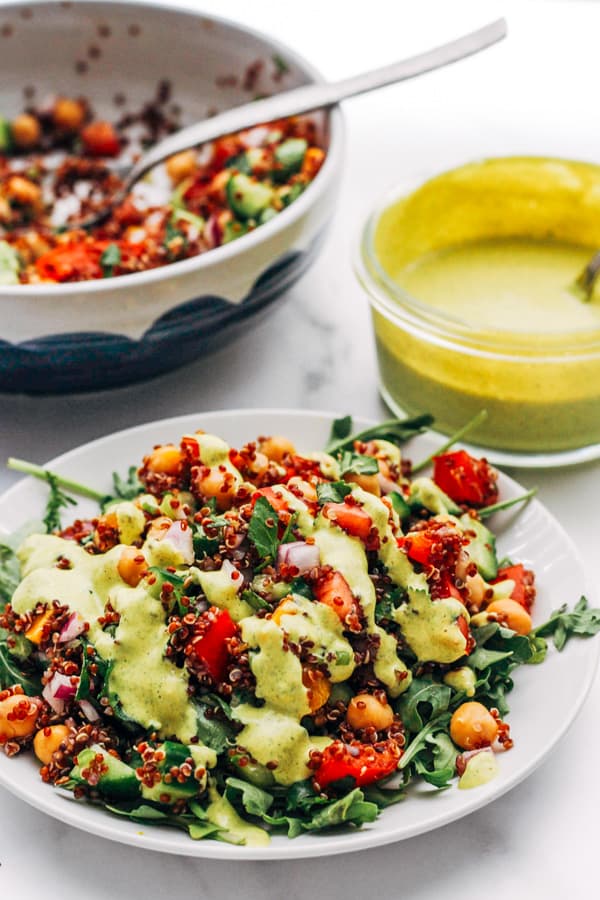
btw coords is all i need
(99, 334)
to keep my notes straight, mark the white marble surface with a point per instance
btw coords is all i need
(535, 94)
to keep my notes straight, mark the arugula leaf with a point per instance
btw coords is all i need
(436, 763)
(206, 543)
(562, 624)
(57, 500)
(397, 431)
(110, 258)
(332, 491)
(21, 465)
(357, 464)
(263, 530)
(11, 673)
(254, 800)
(423, 701)
(127, 488)
(212, 731)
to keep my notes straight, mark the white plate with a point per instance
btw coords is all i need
(543, 705)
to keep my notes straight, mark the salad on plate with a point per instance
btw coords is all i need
(258, 640)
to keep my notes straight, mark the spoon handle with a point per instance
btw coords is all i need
(315, 96)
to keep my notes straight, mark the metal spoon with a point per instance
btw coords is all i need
(584, 284)
(300, 100)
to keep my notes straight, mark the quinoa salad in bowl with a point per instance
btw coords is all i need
(60, 164)
(256, 641)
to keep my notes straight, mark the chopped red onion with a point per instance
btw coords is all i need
(73, 627)
(234, 574)
(299, 554)
(58, 690)
(387, 486)
(180, 536)
(89, 710)
(213, 233)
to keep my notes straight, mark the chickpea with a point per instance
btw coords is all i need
(68, 114)
(24, 191)
(301, 488)
(512, 614)
(18, 715)
(476, 589)
(276, 448)
(48, 740)
(318, 688)
(472, 726)
(182, 166)
(131, 566)
(366, 711)
(369, 483)
(158, 527)
(211, 482)
(165, 459)
(26, 131)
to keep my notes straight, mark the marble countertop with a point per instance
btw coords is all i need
(533, 95)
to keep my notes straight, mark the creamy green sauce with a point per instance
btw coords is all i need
(480, 769)
(154, 692)
(430, 627)
(273, 736)
(220, 812)
(462, 679)
(151, 689)
(507, 283)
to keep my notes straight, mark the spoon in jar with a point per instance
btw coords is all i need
(297, 101)
(583, 286)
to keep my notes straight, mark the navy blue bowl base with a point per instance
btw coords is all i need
(68, 363)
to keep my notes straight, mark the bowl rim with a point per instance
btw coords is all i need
(225, 252)
(405, 310)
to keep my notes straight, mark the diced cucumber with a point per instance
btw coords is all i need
(400, 505)
(482, 547)
(247, 197)
(290, 156)
(425, 493)
(168, 792)
(118, 782)
(10, 264)
(266, 215)
(234, 230)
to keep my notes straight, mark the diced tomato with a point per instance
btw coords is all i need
(211, 647)
(466, 479)
(364, 763)
(447, 588)
(277, 500)
(190, 450)
(418, 545)
(78, 260)
(81, 260)
(224, 149)
(351, 518)
(333, 590)
(100, 139)
(524, 590)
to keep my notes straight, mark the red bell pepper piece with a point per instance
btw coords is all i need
(365, 763)
(466, 479)
(211, 647)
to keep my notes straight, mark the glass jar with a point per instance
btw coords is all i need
(541, 389)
